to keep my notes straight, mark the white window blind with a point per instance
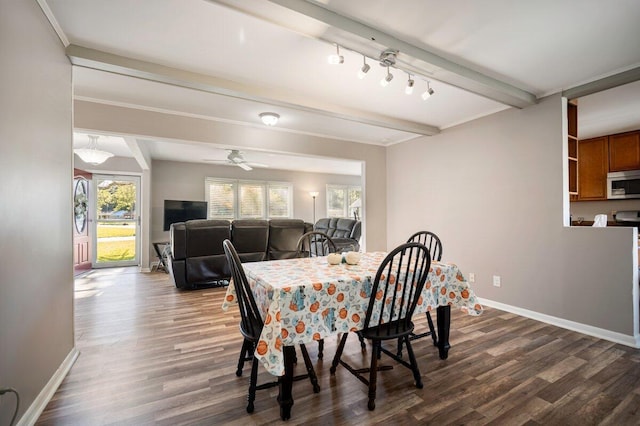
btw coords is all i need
(234, 199)
(280, 200)
(252, 200)
(221, 198)
(343, 201)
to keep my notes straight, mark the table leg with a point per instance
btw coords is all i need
(444, 323)
(285, 396)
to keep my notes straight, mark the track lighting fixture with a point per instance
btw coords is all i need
(365, 68)
(387, 79)
(409, 89)
(388, 58)
(427, 94)
(337, 58)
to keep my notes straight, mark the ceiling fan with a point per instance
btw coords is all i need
(235, 158)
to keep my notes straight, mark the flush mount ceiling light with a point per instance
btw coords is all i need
(387, 79)
(409, 89)
(336, 59)
(365, 68)
(427, 94)
(91, 154)
(269, 118)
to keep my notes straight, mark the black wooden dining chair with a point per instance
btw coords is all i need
(394, 296)
(251, 326)
(315, 243)
(432, 242)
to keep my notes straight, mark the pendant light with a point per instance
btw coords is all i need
(92, 154)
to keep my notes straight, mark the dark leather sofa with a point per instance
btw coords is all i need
(197, 258)
(344, 232)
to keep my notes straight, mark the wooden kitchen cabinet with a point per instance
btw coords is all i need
(572, 145)
(593, 167)
(624, 151)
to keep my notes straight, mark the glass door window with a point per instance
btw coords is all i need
(117, 224)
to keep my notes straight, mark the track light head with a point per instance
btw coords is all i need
(427, 94)
(364, 70)
(387, 79)
(409, 89)
(337, 58)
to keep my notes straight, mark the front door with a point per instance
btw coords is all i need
(117, 223)
(81, 238)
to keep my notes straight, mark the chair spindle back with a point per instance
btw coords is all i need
(251, 323)
(431, 241)
(396, 289)
(315, 244)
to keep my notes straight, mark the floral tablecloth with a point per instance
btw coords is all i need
(307, 299)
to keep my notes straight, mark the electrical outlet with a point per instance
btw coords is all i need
(496, 281)
(472, 277)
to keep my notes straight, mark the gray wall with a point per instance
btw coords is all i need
(36, 264)
(149, 124)
(493, 190)
(172, 180)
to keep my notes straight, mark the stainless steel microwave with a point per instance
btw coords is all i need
(623, 185)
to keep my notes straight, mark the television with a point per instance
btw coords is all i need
(181, 211)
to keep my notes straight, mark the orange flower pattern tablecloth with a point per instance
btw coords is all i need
(307, 299)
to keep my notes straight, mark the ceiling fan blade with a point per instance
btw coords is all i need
(259, 165)
(244, 166)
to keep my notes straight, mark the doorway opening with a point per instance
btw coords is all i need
(117, 224)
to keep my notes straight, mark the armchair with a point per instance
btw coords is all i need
(344, 232)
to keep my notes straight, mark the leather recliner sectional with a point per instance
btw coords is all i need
(197, 257)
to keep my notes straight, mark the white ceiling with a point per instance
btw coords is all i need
(230, 60)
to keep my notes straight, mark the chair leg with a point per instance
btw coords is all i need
(363, 345)
(414, 363)
(432, 329)
(399, 352)
(373, 375)
(320, 348)
(336, 357)
(310, 371)
(252, 385)
(244, 354)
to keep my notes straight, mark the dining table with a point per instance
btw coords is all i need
(308, 299)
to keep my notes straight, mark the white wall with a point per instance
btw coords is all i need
(172, 180)
(36, 264)
(492, 189)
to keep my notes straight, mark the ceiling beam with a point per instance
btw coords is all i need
(139, 151)
(95, 59)
(605, 83)
(447, 71)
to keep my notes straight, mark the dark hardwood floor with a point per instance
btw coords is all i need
(150, 354)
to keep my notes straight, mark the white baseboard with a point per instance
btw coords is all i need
(601, 333)
(34, 411)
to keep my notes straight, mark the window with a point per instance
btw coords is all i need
(343, 201)
(243, 199)
(221, 199)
